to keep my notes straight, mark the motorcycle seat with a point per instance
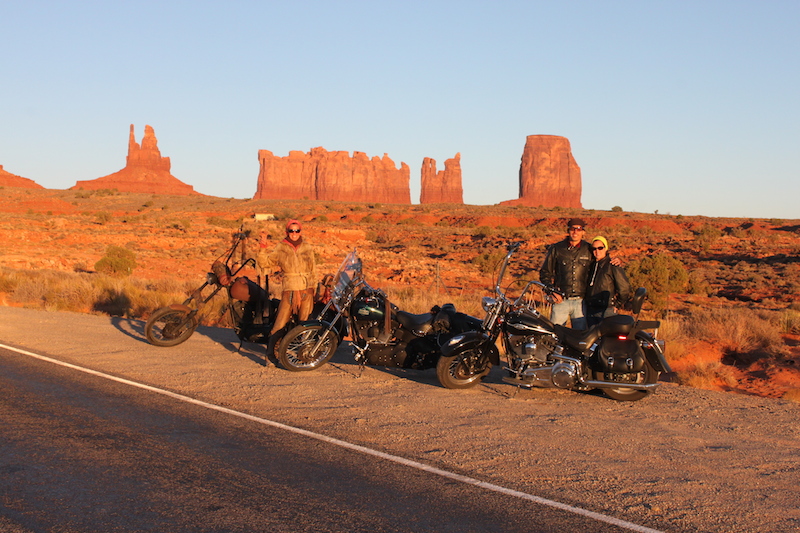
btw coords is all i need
(580, 339)
(616, 325)
(418, 323)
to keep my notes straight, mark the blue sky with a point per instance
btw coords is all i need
(684, 107)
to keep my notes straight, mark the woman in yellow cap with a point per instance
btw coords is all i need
(608, 286)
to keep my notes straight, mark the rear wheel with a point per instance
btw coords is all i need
(307, 347)
(647, 376)
(170, 327)
(463, 370)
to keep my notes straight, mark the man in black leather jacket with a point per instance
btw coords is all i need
(566, 267)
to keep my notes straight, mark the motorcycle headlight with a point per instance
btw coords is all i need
(212, 279)
(488, 303)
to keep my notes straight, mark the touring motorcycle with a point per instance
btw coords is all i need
(381, 333)
(616, 356)
(252, 312)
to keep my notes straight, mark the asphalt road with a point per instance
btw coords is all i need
(81, 453)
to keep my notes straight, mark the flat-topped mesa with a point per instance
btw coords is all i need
(7, 179)
(145, 171)
(323, 175)
(548, 174)
(444, 186)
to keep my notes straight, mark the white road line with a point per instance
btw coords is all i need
(355, 447)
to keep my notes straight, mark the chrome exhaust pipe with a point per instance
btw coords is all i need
(613, 385)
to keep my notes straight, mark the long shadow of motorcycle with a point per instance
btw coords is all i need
(225, 337)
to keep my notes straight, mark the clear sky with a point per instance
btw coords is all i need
(684, 107)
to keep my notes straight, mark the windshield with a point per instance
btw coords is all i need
(349, 271)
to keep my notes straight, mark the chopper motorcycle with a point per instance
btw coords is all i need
(251, 310)
(616, 356)
(381, 333)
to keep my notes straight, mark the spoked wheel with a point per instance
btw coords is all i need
(648, 375)
(463, 370)
(307, 347)
(170, 327)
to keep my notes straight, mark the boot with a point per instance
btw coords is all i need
(272, 344)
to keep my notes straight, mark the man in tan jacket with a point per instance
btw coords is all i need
(295, 259)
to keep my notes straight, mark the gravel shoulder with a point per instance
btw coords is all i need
(681, 460)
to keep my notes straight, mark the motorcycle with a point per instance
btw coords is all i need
(381, 333)
(252, 312)
(616, 356)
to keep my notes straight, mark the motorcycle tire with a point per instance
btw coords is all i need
(463, 370)
(648, 375)
(297, 351)
(169, 327)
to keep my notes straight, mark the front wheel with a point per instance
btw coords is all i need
(170, 327)
(307, 347)
(463, 370)
(647, 376)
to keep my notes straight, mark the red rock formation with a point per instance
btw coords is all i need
(548, 174)
(7, 179)
(145, 171)
(443, 187)
(323, 175)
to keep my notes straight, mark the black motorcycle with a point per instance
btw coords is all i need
(252, 312)
(616, 356)
(381, 333)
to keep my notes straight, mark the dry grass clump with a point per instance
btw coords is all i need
(88, 292)
(737, 330)
(793, 395)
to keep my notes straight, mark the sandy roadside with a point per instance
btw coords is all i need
(681, 460)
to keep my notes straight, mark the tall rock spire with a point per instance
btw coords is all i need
(145, 170)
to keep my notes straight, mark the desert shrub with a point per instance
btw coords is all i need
(488, 261)
(698, 283)
(661, 275)
(223, 222)
(8, 281)
(736, 330)
(483, 231)
(616, 209)
(103, 217)
(118, 261)
(790, 321)
(793, 395)
(706, 236)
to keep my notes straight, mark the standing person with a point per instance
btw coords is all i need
(566, 267)
(608, 285)
(295, 258)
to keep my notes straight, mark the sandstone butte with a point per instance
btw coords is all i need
(7, 179)
(145, 171)
(323, 175)
(548, 174)
(443, 187)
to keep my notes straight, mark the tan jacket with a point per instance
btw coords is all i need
(297, 264)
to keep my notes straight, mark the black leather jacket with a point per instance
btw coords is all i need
(608, 286)
(567, 268)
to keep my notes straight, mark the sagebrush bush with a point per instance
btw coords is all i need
(118, 261)
(660, 274)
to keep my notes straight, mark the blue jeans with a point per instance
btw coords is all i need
(571, 308)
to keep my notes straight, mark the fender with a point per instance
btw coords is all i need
(469, 341)
(653, 352)
(324, 324)
(181, 307)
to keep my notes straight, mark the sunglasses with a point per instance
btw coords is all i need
(292, 231)
(598, 247)
(576, 228)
